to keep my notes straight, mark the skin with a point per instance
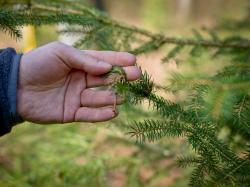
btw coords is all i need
(56, 81)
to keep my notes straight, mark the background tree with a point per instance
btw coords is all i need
(213, 100)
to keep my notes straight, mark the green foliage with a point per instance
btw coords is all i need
(152, 130)
(213, 101)
(185, 161)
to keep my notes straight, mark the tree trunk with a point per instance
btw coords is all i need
(183, 10)
(99, 4)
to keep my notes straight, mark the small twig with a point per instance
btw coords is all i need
(206, 43)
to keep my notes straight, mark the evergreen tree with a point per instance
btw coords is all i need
(214, 101)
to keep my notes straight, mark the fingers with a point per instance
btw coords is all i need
(94, 62)
(80, 60)
(132, 73)
(114, 58)
(85, 114)
(92, 98)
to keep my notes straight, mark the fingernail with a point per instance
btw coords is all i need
(105, 65)
(115, 113)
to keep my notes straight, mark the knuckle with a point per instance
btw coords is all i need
(111, 95)
(87, 97)
(57, 45)
(127, 56)
(91, 59)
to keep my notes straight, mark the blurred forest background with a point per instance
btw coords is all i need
(102, 154)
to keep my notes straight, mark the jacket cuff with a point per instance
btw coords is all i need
(12, 89)
(9, 73)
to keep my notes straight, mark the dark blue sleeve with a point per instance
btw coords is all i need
(9, 69)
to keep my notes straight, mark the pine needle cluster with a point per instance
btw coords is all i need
(214, 102)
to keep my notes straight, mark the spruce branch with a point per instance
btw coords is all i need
(152, 130)
(158, 39)
(198, 175)
(185, 161)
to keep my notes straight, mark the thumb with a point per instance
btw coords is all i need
(80, 60)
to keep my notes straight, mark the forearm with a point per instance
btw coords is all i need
(9, 66)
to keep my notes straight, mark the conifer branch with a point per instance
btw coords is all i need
(152, 130)
(160, 39)
(185, 161)
(97, 17)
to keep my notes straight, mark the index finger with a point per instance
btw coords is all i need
(132, 73)
(113, 57)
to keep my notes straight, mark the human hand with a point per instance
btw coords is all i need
(55, 84)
